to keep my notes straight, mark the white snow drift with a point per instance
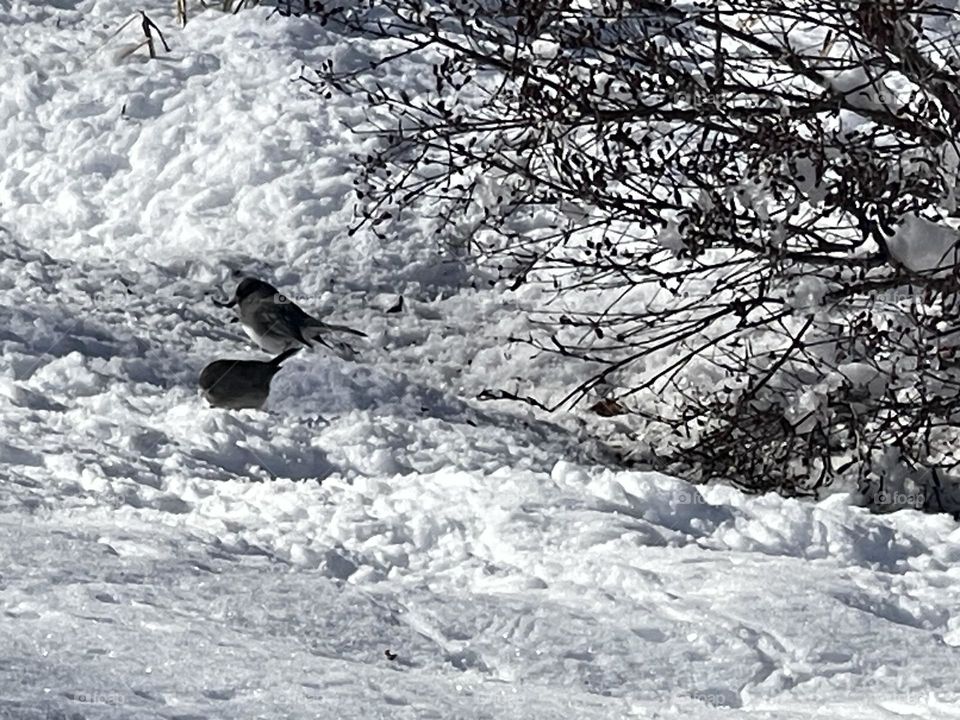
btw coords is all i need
(377, 543)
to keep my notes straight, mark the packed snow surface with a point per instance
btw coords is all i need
(376, 543)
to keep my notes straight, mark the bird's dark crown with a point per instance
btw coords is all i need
(249, 286)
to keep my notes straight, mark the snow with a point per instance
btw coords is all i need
(865, 92)
(376, 543)
(924, 246)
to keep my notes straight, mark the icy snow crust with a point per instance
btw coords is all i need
(458, 560)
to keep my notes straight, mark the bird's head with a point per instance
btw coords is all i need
(251, 288)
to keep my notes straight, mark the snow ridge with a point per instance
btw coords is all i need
(376, 543)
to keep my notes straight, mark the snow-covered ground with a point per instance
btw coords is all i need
(376, 543)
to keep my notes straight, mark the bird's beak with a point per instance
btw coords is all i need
(226, 304)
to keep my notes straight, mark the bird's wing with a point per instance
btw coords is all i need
(310, 326)
(276, 321)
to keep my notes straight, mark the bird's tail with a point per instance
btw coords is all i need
(339, 328)
(283, 356)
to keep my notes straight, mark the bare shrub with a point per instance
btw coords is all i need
(747, 210)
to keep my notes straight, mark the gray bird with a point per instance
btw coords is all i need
(238, 384)
(276, 323)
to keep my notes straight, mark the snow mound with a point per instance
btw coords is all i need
(924, 246)
(375, 543)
